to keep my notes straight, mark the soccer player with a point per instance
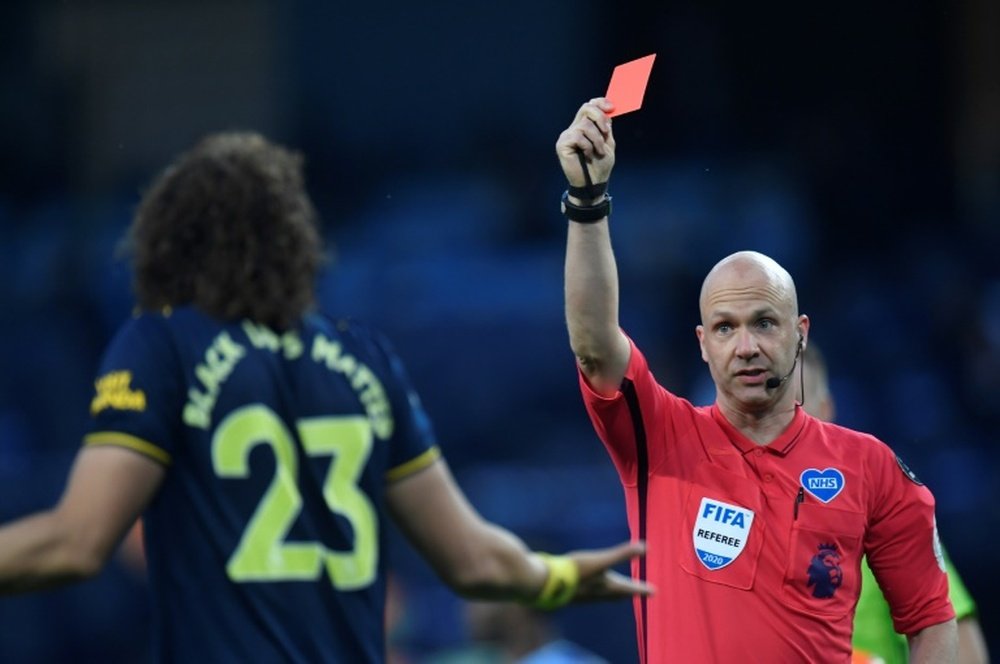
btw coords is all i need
(264, 443)
(874, 633)
(756, 514)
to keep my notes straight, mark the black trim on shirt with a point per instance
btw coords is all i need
(642, 490)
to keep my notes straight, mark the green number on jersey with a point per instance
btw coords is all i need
(262, 553)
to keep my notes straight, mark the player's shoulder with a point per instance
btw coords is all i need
(864, 447)
(346, 329)
(143, 348)
(143, 329)
(854, 444)
(179, 331)
(358, 337)
(842, 435)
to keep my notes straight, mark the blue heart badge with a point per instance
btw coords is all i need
(825, 485)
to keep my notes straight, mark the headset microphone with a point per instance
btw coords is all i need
(774, 382)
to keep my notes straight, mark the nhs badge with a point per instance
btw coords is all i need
(720, 532)
(824, 485)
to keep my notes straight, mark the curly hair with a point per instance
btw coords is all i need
(229, 228)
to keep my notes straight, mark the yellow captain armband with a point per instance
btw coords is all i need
(560, 586)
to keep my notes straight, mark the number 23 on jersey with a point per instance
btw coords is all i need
(263, 554)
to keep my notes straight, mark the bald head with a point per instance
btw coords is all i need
(751, 335)
(748, 272)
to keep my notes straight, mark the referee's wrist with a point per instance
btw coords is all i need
(585, 202)
(593, 211)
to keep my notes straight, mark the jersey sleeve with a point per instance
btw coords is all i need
(413, 444)
(138, 391)
(625, 420)
(902, 545)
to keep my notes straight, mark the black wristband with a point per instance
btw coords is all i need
(585, 214)
(590, 191)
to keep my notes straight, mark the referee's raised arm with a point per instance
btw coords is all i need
(586, 151)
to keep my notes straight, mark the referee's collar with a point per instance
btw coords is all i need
(781, 445)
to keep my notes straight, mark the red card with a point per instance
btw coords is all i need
(628, 85)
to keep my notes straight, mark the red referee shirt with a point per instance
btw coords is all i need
(755, 550)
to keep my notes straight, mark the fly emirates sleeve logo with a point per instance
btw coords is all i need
(720, 532)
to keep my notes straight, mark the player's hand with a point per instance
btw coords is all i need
(590, 134)
(599, 582)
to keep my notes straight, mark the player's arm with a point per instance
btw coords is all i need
(481, 560)
(936, 644)
(906, 558)
(591, 275)
(971, 642)
(108, 488)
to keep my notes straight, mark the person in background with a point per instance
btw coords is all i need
(512, 633)
(874, 635)
(520, 634)
(264, 443)
(756, 514)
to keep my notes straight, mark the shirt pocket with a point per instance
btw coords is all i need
(824, 553)
(722, 532)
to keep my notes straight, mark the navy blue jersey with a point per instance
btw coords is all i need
(265, 540)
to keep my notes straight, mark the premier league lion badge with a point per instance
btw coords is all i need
(825, 575)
